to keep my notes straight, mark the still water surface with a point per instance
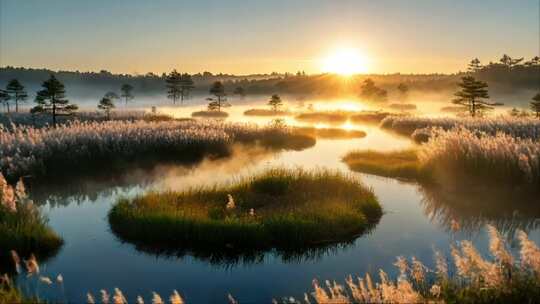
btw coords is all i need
(415, 221)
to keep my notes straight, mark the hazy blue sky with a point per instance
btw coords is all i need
(262, 36)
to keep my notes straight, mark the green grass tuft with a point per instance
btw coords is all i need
(397, 164)
(293, 209)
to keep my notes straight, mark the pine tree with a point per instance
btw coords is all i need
(186, 84)
(474, 66)
(52, 100)
(535, 105)
(219, 100)
(509, 61)
(370, 92)
(127, 92)
(403, 91)
(106, 105)
(16, 92)
(275, 102)
(112, 96)
(174, 85)
(471, 94)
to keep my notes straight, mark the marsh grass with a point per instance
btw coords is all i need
(471, 278)
(210, 114)
(23, 227)
(81, 147)
(397, 164)
(369, 117)
(337, 117)
(266, 112)
(278, 209)
(403, 106)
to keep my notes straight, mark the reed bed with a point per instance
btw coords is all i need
(517, 127)
(459, 155)
(266, 112)
(210, 114)
(40, 121)
(48, 151)
(369, 117)
(398, 164)
(22, 225)
(278, 209)
(499, 158)
(471, 278)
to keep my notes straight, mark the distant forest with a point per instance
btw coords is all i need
(507, 75)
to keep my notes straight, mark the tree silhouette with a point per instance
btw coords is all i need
(471, 94)
(369, 91)
(112, 96)
(509, 61)
(174, 85)
(52, 100)
(474, 66)
(16, 92)
(106, 105)
(275, 102)
(403, 90)
(219, 100)
(4, 99)
(186, 84)
(127, 92)
(535, 105)
(240, 92)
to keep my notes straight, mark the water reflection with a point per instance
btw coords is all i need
(506, 208)
(232, 257)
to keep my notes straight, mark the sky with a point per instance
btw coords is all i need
(260, 36)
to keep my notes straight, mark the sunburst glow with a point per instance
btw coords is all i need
(346, 62)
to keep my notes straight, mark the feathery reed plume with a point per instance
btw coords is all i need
(32, 266)
(252, 212)
(435, 290)
(45, 280)
(118, 297)
(104, 296)
(401, 264)
(230, 203)
(418, 270)
(20, 191)
(454, 226)
(90, 298)
(60, 279)
(231, 299)
(497, 247)
(16, 261)
(156, 298)
(441, 266)
(175, 298)
(529, 253)
(140, 300)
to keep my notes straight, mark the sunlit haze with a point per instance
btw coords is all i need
(245, 37)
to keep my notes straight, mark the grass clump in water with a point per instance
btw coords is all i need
(277, 209)
(212, 114)
(398, 164)
(266, 112)
(370, 117)
(22, 226)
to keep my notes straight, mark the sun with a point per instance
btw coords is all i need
(346, 61)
